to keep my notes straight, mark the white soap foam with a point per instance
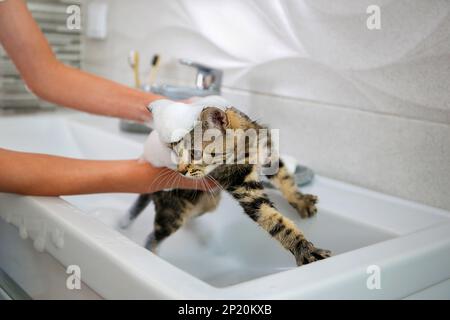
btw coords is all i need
(171, 121)
(156, 152)
(58, 238)
(23, 229)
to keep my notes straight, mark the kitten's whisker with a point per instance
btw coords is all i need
(216, 183)
(208, 190)
(176, 177)
(195, 190)
(158, 179)
(211, 191)
(204, 186)
(169, 179)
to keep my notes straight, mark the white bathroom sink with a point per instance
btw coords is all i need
(219, 255)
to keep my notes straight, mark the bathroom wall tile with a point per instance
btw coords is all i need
(403, 157)
(306, 49)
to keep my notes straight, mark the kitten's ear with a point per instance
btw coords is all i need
(214, 118)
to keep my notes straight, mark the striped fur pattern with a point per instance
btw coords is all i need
(173, 208)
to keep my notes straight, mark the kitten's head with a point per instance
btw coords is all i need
(204, 148)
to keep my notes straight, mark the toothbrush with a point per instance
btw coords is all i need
(133, 60)
(153, 70)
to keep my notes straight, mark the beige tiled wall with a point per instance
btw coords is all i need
(368, 107)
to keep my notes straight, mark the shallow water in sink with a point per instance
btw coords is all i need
(225, 247)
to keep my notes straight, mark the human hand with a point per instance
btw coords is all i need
(145, 178)
(49, 175)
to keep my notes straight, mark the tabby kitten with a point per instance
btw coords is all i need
(173, 208)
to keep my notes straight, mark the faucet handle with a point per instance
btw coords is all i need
(193, 64)
(208, 78)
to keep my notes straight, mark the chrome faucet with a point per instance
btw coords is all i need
(208, 78)
(208, 82)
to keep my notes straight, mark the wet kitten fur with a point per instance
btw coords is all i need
(173, 208)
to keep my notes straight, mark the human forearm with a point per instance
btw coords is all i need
(46, 175)
(76, 89)
(38, 174)
(53, 81)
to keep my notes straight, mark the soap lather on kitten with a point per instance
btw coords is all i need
(240, 178)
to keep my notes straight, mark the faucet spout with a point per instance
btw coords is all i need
(208, 78)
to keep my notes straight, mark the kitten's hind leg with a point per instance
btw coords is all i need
(305, 204)
(151, 243)
(166, 223)
(139, 205)
(171, 214)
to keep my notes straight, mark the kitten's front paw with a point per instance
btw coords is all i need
(305, 204)
(306, 253)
